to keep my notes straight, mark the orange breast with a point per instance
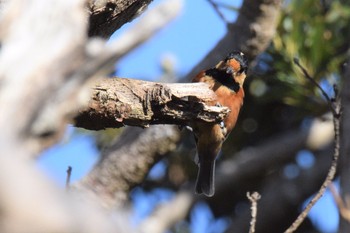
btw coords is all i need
(233, 101)
(225, 97)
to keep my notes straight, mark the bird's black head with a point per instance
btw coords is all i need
(240, 58)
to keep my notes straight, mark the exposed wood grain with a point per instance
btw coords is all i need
(119, 101)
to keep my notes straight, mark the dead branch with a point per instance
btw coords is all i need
(117, 102)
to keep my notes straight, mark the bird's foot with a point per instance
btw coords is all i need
(181, 127)
(223, 128)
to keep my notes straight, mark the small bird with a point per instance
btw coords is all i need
(226, 80)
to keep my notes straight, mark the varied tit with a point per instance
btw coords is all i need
(226, 80)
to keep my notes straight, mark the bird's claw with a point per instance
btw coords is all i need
(223, 128)
(181, 127)
(222, 125)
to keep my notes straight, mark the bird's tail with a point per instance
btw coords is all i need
(205, 178)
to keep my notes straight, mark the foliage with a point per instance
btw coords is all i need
(317, 33)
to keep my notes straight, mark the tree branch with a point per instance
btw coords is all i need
(108, 16)
(118, 102)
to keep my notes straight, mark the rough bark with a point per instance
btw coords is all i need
(117, 102)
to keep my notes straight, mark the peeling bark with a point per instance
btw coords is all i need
(119, 101)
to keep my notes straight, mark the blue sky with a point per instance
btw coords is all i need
(185, 40)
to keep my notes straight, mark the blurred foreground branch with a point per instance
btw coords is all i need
(45, 61)
(66, 56)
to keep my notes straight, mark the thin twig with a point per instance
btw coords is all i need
(308, 77)
(342, 206)
(217, 10)
(69, 173)
(254, 209)
(335, 107)
(227, 6)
